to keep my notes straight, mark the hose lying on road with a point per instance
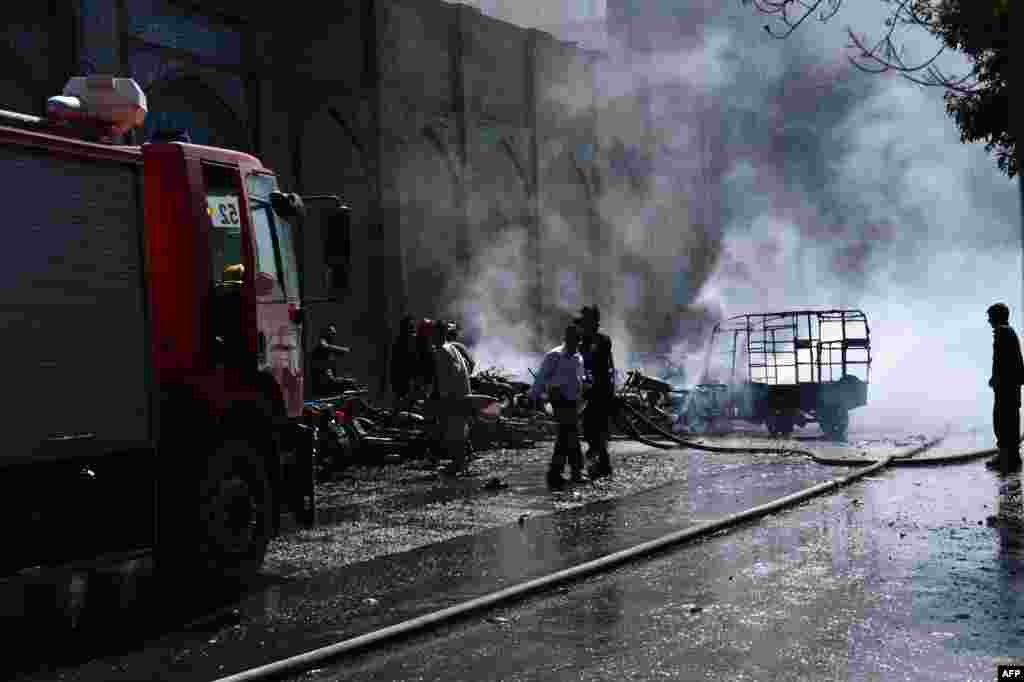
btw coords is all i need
(631, 431)
(378, 637)
(689, 444)
(897, 460)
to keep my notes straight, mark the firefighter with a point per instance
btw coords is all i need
(325, 379)
(1007, 377)
(561, 376)
(596, 349)
(451, 386)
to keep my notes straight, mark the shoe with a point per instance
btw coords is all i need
(556, 482)
(578, 477)
(598, 471)
(1004, 462)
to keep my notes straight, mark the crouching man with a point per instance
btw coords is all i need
(451, 382)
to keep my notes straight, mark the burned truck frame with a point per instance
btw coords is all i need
(791, 368)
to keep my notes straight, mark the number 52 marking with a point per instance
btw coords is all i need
(223, 211)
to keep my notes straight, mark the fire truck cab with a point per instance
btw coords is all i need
(151, 320)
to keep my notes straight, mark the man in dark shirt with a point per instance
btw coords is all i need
(325, 379)
(596, 349)
(1007, 377)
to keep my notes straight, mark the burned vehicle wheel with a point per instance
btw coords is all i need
(235, 509)
(834, 421)
(780, 425)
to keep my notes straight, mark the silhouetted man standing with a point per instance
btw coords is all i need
(596, 349)
(1007, 377)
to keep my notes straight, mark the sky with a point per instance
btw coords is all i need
(812, 185)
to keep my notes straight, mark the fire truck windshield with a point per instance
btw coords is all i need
(279, 230)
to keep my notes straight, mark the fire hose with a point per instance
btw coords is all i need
(377, 638)
(440, 617)
(631, 430)
(897, 460)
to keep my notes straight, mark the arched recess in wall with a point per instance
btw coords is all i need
(332, 149)
(431, 218)
(18, 92)
(500, 186)
(186, 102)
(503, 269)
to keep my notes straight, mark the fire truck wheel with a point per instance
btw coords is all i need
(235, 508)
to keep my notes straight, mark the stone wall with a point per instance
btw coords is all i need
(447, 132)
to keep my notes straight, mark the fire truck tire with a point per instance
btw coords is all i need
(235, 507)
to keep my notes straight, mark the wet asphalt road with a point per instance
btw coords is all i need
(469, 548)
(915, 574)
(464, 555)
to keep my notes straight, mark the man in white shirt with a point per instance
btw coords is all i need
(561, 375)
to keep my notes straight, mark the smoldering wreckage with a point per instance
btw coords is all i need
(780, 370)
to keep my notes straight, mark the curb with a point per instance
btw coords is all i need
(308, 659)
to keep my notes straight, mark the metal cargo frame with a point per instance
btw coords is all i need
(800, 367)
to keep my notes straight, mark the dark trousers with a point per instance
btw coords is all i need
(567, 446)
(596, 429)
(1006, 420)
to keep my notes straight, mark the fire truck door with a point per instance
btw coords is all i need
(277, 296)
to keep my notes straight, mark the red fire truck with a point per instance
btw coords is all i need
(151, 321)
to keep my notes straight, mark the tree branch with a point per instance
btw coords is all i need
(884, 55)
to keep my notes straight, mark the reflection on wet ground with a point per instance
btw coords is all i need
(894, 578)
(298, 613)
(338, 580)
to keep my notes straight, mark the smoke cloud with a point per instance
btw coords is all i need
(771, 175)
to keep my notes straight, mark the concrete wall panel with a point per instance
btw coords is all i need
(415, 53)
(494, 68)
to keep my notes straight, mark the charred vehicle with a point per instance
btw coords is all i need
(789, 369)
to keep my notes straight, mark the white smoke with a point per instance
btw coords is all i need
(785, 179)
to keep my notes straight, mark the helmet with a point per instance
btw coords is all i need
(234, 273)
(424, 327)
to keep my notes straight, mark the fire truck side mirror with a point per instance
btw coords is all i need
(288, 205)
